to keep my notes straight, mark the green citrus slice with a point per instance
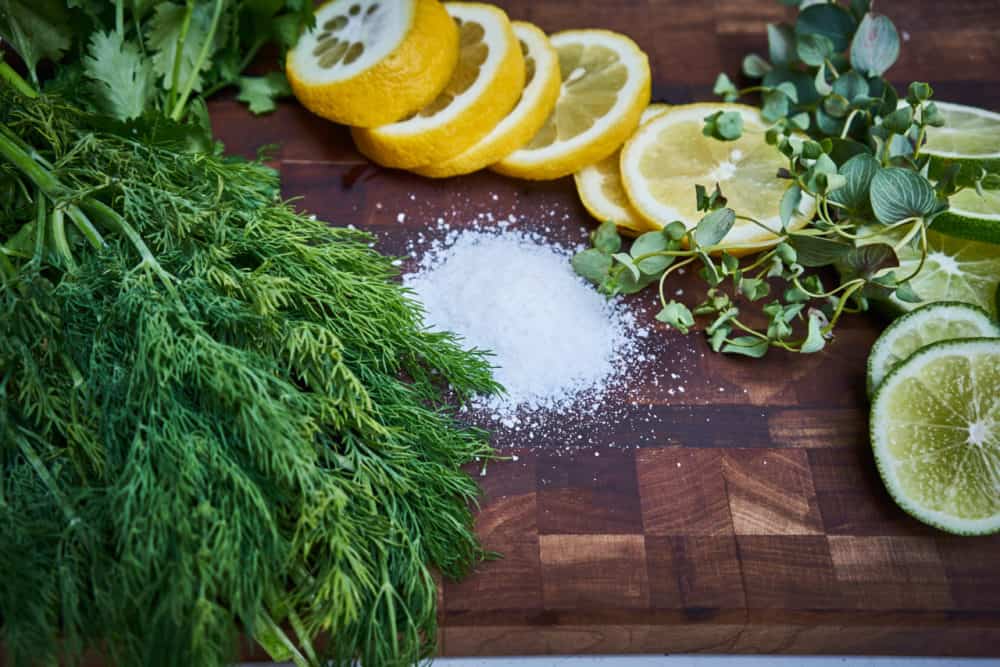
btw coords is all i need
(972, 216)
(929, 324)
(935, 430)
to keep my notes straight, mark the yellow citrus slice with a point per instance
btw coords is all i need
(484, 87)
(669, 155)
(605, 87)
(541, 89)
(600, 188)
(372, 62)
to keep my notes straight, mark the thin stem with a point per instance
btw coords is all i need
(120, 17)
(112, 219)
(219, 85)
(750, 330)
(8, 74)
(663, 278)
(175, 72)
(847, 123)
(202, 56)
(41, 216)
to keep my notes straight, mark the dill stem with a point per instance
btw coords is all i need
(6, 266)
(111, 218)
(8, 74)
(48, 183)
(206, 46)
(59, 241)
(41, 217)
(85, 226)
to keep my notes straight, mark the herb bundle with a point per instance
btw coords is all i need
(217, 415)
(852, 145)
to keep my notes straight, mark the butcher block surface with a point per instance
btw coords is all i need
(747, 515)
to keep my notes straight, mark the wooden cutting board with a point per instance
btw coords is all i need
(749, 517)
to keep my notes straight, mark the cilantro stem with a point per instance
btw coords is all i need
(120, 17)
(175, 72)
(251, 54)
(14, 79)
(206, 46)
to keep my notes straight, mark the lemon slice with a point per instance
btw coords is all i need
(541, 89)
(605, 87)
(371, 62)
(600, 189)
(484, 87)
(669, 155)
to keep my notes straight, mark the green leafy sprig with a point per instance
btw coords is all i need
(128, 57)
(852, 146)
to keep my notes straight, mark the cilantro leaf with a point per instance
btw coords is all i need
(36, 30)
(122, 76)
(164, 39)
(260, 92)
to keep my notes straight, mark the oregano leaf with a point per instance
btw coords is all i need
(875, 46)
(897, 194)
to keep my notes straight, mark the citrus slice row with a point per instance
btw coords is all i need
(605, 87)
(371, 62)
(541, 88)
(668, 156)
(936, 436)
(484, 87)
(600, 188)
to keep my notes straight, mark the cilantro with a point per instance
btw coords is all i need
(123, 79)
(175, 36)
(37, 29)
(260, 92)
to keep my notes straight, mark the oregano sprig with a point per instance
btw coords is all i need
(852, 145)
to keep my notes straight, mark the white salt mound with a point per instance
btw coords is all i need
(557, 342)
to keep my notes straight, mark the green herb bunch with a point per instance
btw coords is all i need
(852, 145)
(133, 58)
(218, 416)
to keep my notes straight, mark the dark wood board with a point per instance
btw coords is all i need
(753, 520)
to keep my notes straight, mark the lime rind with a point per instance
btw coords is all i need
(982, 385)
(931, 323)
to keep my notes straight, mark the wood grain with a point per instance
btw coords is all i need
(754, 521)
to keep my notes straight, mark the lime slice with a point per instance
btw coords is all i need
(928, 324)
(972, 216)
(935, 430)
(968, 133)
(955, 270)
